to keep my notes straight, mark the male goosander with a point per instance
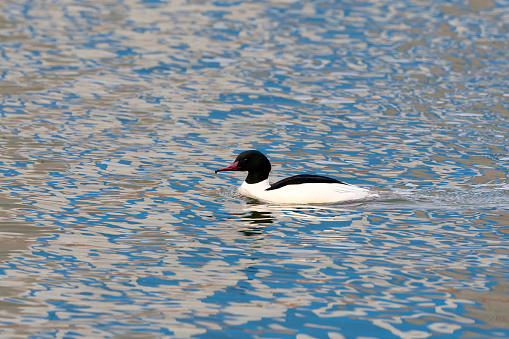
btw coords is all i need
(299, 189)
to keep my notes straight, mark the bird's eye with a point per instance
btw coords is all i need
(245, 159)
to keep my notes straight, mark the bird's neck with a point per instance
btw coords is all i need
(256, 177)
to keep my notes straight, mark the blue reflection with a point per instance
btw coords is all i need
(115, 115)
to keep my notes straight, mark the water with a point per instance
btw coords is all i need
(115, 115)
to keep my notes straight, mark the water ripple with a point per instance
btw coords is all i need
(116, 114)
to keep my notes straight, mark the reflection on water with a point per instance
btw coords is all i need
(116, 113)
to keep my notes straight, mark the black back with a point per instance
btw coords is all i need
(304, 179)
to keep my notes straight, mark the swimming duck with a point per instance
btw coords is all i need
(299, 189)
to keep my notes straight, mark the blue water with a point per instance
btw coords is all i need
(115, 114)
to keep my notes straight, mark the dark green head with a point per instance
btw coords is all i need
(254, 162)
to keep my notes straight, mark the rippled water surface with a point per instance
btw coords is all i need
(115, 114)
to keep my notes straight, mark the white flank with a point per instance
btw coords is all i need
(304, 193)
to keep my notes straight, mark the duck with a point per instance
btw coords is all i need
(298, 189)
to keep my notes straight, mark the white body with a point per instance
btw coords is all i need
(304, 193)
